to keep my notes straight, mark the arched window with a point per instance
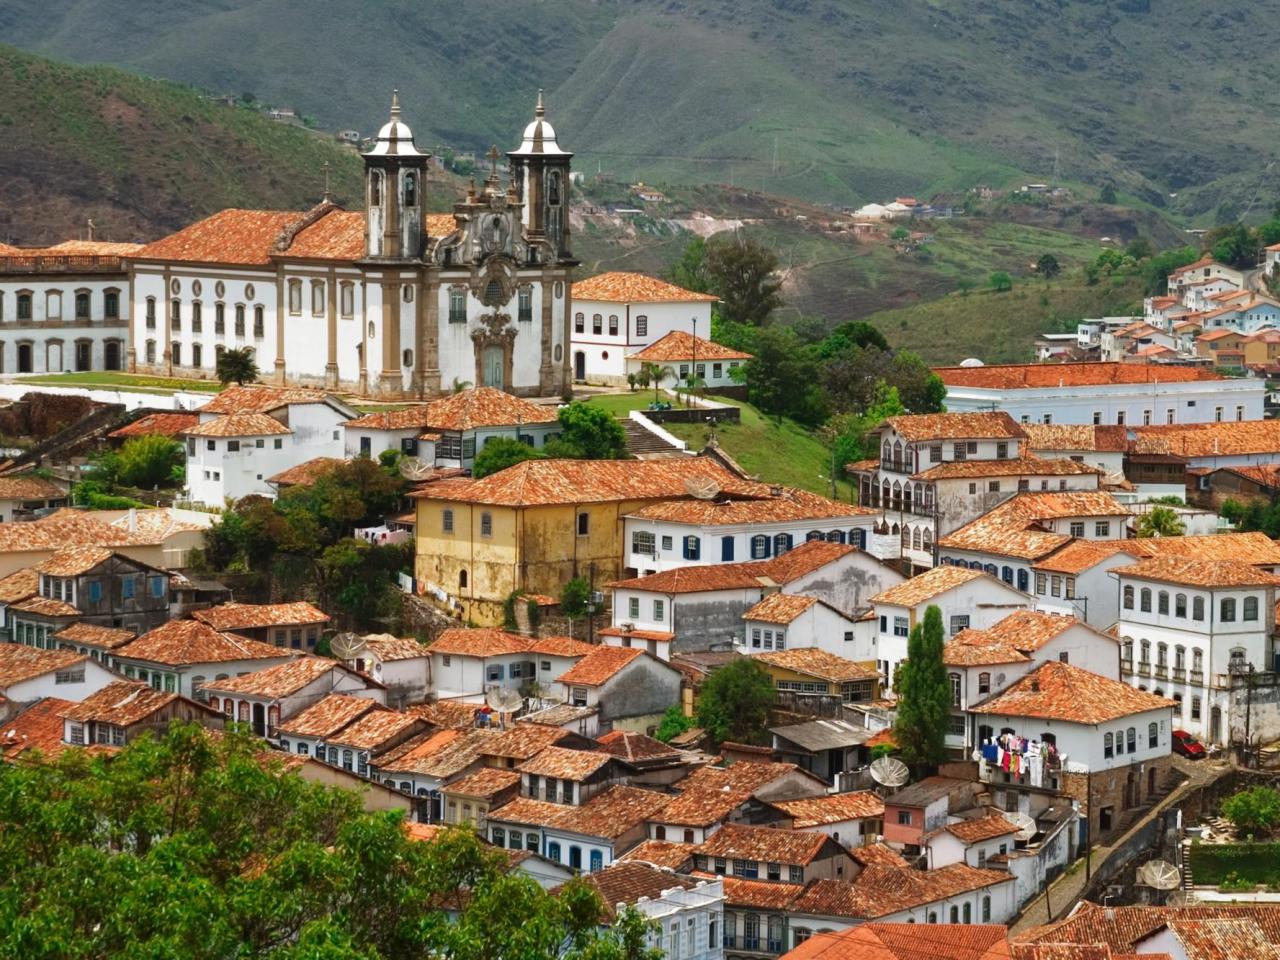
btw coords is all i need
(1131, 739)
(659, 832)
(927, 542)
(1177, 708)
(1197, 608)
(1144, 600)
(1227, 610)
(835, 536)
(990, 568)
(897, 453)
(1153, 730)
(886, 451)
(1146, 651)
(1162, 654)
(1180, 605)
(955, 689)
(1024, 580)
(259, 321)
(781, 543)
(553, 850)
(931, 916)
(759, 547)
(151, 351)
(410, 189)
(1006, 574)
(986, 909)
(553, 187)
(813, 535)
(597, 861)
(968, 913)
(1250, 608)
(1108, 745)
(82, 304)
(1127, 602)
(915, 539)
(1162, 603)
(688, 836)
(1126, 650)
(955, 914)
(375, 188)
(984, 683)
(24, 305)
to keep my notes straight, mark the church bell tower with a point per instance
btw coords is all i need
(540, 173)
(394, 177)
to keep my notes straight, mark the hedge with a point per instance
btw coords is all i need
(1254, 862)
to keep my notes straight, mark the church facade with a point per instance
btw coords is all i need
(391, 301)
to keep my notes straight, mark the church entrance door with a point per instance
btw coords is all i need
(494, 361)
(579, 366)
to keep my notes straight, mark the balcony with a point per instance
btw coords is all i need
(61, 264)
(896, 466)
(1197, 677)
(1162, 671)
(1180, 674)
(1126, 665)
(1144, 668)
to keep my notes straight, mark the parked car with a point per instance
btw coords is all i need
(1187, 745)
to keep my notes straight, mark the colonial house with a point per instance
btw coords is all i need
(773, 854)
(22, 497)
(28, 674)
(14, 588)
(98, 642)
(630, 688)
(1191, 629)
(532, 526)
(619, 314)
(1097, 740)
(64, 307)
(564, 775)
(122, 711)
(696, 607)
(161, 538)
(691, 359)
(401, 664)
(686, 914)
(1206, 268)
(389, 300)
(973, 840)
(359, 744)
(525, 740)
(449, 431)
(265, 697)
(427, 763)
(916, 811)
(966, 598)
(182, 655)
(295, 625)
(470, 799)
(1098, 393)
(888, 939)
(801, 672)
(467, 662)
(1098, 445)
(1230, 438)
(688, 532)
(797, 620)
(308, 730)
(850, 819)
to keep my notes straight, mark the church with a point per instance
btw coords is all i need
(392, 301)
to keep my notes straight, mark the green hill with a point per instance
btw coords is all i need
(841, 101)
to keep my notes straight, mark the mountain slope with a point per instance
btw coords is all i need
(832, 100)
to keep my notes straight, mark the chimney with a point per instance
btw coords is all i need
(133, 519)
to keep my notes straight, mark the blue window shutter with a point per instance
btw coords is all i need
(726, 549)
(686, 549)
(1022, 580)
(790, 542)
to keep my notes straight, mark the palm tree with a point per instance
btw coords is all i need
(237, 366)
(1161, 522)
(460, 385)
(656, 373)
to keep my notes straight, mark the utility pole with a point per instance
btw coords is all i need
(693, 368)
(591, 604)
(1248, 710)
(1088, 823)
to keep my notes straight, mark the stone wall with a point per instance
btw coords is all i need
(1121, 789)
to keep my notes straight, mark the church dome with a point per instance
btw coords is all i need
(395, 138)
(539, 136)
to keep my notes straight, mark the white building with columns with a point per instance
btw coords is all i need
(390, 301)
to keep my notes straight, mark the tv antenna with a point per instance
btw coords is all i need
(890, 772)
(347, 646)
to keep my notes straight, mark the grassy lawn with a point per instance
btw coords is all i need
(121, 381)
(1213, 863)
(620, 404)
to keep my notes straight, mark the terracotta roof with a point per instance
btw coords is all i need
(64, 528)
(259, 398)
(621, 287)
(612, 812)
(1225, 439)
(780, 608)
(485, 407)
(388, 648)
(18, 662)
(338, 235)
(399, 418)
(1223, 939)
(980, 828)
(327, 716)
(879, 891)
(45, 607)
(373, 729)
(926, 586)
(628, 881)
(105, 638)
(447, 714)
(122, 704)
(522, 741)
(756, 894)
(795, 563)
(560, 647)
(73, 561)
(1023, 630)
(1039, 376)
(680, 345)
(26, 487)
(479, 642)
(243, 237)
(279, 681)
(565, 764)
(815, 662)
(38, 727)
(792, 504)
(1062, 691)
(1080, 555)
(19, 585)
(599, 666)
(238, 425)
(1025, 467)
(306, 473)
(832, 808)
(164, 424)
(661, 853)
(1198, 573)
(975, 653)
(1265, 475)
(661, 636)
(248, 616)
(635, 748)
(1121, 928)
(485, 783)
(525, 810)
(910, 941)
(181, 642)
(441, 754)
(1011, 528)
(879, 853)
(710, 794)
(955, 426)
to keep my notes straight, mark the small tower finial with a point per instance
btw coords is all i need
(395, 104)
(327, 197)
(538, 111)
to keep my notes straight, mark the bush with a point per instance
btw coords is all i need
(1256, 810)
(674, 723)
(1240, 864)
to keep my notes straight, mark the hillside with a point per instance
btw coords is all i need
(142, 157)
(840, 102)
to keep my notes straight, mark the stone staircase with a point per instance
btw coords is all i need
(646, 445)
(1166, 787)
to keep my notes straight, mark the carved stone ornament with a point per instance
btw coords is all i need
(493, 282)
(495, 328)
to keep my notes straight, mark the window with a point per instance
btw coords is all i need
(486, 524)
(904, 818)
(175, 314)
(24, 306)
(955, 689)
(295, 296)
(524, 305)
(462, 579)
(759, 547)
(278, 444)
(958, 623)
(597, 323)
(1162, 603)
(751, 932)
(1102, 528)
(633, 608)
(1180, 605)
(659, 610)
(1055, 585)
(1108, 750)
(642, 541)
(984, 683)
(578, 323)
(1195, 708)
(233, 446)
(692, 548)
(1177, 706)
(1250, 609)
(955, 914)
(1227, 610)
(1153, 736)
(446, 518)
(1197, 608)
(986, 909)
(901, 627)
(1127, 600)
(1077, 528)
(782, 542)
(584, 524)
(613, 324)
(642, 325)
(258, 322)
(1131, 738)
(346, 298)
(746, 868)
(1145, 600)
(197, 354)
(1120, 417)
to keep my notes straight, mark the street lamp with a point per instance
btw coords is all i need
(693, 367)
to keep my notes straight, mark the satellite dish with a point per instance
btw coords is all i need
(1024, 822)
(1160, 874)
(347, 646)
(701, 488)
(503, 700)
(890, 772)
(972, 362)
(412, 468)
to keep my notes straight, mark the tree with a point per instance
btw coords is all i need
(592, 431)
(575, 598)
(847, 433)
(781, 372)
(690, 271)
(1156, 270)
(741, 273)
(1256, 810)
(500, 453)
(202, 847)
(924, 700)
(1000, 282)
(237, 365)
(1107, 194)
(673, 723)
(1160, 522)
(149, 461)
(1047, 266)
(655, 373)
(356, 578)
(734, 702)
(854, 333)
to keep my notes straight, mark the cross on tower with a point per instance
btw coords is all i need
(493, 156)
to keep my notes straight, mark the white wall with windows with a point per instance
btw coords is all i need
(604, 333)
(53, 323)
(657, 545)
(819, 626)
(219, 468)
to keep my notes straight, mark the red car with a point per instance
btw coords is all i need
(1187, 745)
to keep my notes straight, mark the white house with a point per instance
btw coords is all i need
(64, 307)
(22, 495)
(617, 314)
(1190, 629)
(630, 688)
(967, 599)
(689, 357)
(971, 841)
(1114, 393)
(401, 664)
(1098, 445)
(307, 731)
(27, 674)
(426, 763)
(466, 663)
(676, 533)
(851, 819)
(786, 620)
(1206, 268)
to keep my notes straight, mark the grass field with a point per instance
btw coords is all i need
(620, 404)
(121, 381)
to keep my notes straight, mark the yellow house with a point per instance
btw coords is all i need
(809, 671)
(538, 524)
